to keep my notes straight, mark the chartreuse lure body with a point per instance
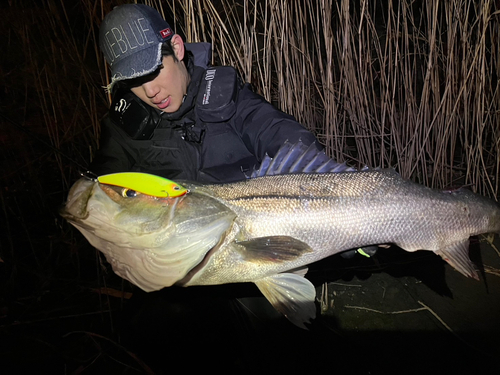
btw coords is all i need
(144, 183)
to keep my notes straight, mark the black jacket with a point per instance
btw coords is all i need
(207, 143)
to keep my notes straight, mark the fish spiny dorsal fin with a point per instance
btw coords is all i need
(299, 158)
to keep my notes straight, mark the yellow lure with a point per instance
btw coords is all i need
(144, 183)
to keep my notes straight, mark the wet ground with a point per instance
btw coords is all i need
(395, 313)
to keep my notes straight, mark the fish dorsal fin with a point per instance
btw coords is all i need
(274, 249)
(298, 158)
(292, 295)
(457, 255)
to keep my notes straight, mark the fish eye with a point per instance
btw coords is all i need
(177, 187)
(129, 193)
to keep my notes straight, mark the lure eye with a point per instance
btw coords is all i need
(129, 193)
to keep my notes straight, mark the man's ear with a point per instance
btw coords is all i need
(178, 46)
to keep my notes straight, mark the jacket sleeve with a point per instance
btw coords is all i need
(114, 154)
(264, 128)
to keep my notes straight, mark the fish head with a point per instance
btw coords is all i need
(152, 242)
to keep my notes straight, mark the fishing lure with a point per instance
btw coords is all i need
(144, 183)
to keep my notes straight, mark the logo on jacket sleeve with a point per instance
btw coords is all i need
(121, 106)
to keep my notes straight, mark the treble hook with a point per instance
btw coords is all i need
(89, 175)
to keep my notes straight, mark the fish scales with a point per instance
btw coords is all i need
(336, 212)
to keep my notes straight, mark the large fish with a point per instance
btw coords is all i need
(267, 229)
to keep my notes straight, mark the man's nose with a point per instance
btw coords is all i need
(151, 88)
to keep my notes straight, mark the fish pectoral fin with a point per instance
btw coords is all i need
(457, 255)
(273, 249)
(292, 295)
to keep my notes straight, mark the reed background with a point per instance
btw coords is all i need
(412, 85)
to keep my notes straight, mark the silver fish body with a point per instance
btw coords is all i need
(267, 229)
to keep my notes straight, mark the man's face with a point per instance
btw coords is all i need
(165, 88)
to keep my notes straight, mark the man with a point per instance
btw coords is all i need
(175, 117)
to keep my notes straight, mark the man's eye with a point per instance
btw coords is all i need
(129, 193)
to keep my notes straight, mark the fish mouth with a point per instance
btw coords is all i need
(75, 208)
